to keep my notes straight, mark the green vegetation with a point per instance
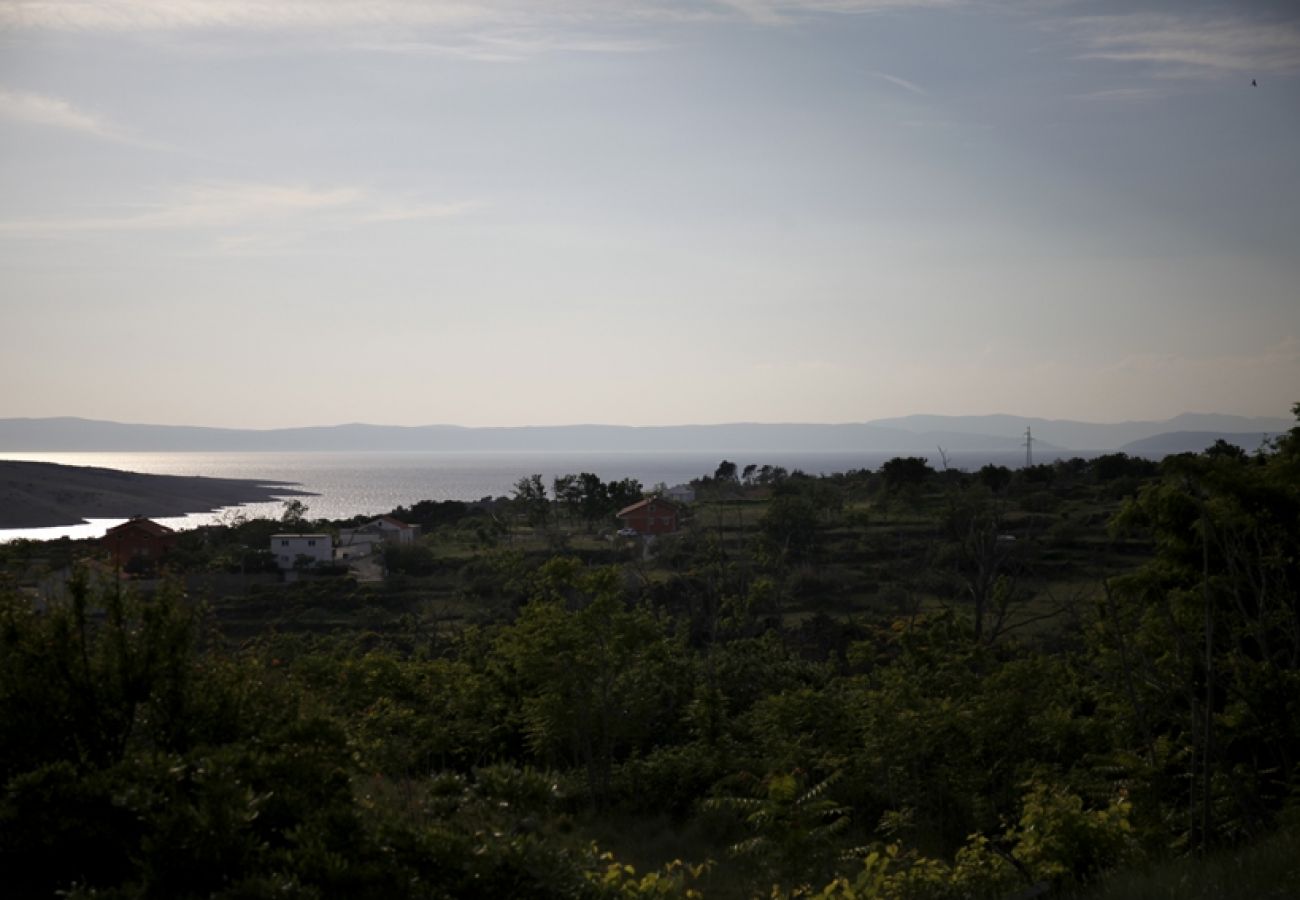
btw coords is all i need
(1073, 680)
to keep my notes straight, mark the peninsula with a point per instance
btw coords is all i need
(40, 494)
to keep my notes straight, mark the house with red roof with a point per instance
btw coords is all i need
(652, 516)
(138, 543)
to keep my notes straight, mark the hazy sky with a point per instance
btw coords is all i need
(235, 212)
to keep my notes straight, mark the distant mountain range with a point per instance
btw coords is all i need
(910, 434)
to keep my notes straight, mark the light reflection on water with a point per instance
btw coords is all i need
(371, 482)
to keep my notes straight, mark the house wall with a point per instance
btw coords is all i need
(385, 530)
(681, 493)
(128, 543)
(288, 547)
(654, 518)
(394, 533)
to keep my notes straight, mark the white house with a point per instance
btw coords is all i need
(681, 493)
(288, 548)
(355, 543)
(387, 528)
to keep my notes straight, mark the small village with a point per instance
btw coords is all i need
(141, 547)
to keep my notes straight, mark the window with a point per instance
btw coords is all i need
(311, 543)
(284, 543)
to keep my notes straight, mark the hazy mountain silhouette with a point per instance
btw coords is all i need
(902, 435)
(1084, 436)
(1193, 442)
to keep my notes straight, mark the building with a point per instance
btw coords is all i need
(138, 543)
(681, 493)
(651, 516)
(355, 543)
(386, 528)
(292, 551)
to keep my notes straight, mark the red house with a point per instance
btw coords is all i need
(138, 542)
(653, 515)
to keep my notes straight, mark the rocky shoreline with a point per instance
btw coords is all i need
(40, 494)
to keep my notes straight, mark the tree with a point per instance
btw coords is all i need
(995, 478)
(986, 563)
(903, 476)
(568, 493)
(905, 472)
(529, 497)
(790, 527)
(1203, 641)
(594, 500)
(293, 513)
(624, 493)
(793, 826)
(584, 700)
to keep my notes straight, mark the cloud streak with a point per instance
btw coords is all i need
(903, 83)
(179, 15)
(224, 207)
(509, 46)
(1191, 46)
(53, 112)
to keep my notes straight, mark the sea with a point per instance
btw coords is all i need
(346, 484)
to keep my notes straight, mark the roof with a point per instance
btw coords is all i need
(391, 521)
(281, 537)
(143, 524)
(645, 503)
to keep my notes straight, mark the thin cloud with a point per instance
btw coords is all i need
(779, 12)
(419, 211)
(511, 46)
(183, 15)
(179, 15)
(478, 30)
(1190, 46)
(225, 207)
(903, 83)
(1124, 95)
(53, 112)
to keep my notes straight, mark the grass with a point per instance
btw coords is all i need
(1268, 870)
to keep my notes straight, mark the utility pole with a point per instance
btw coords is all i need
(1029, 448)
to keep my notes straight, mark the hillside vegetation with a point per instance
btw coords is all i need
(1058, 681)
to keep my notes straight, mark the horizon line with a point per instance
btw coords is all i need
(738, 423)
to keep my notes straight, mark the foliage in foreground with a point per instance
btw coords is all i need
(923, 756)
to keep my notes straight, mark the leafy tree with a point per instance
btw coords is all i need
(293, 513)
(595, 500)
(624, 493)
(793, 826)
(1203, 641)
(995, 478)
(529, 497)
(577, 669)
(905, 471)
(567, 490)
(790, 527)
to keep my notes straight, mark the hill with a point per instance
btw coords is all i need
(906, 435)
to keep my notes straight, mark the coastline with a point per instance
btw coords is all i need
(44, 495)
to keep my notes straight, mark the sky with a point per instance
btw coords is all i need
(647, 212)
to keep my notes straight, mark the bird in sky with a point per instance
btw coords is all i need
(1252, 83)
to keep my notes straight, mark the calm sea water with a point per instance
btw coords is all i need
(349, 484)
